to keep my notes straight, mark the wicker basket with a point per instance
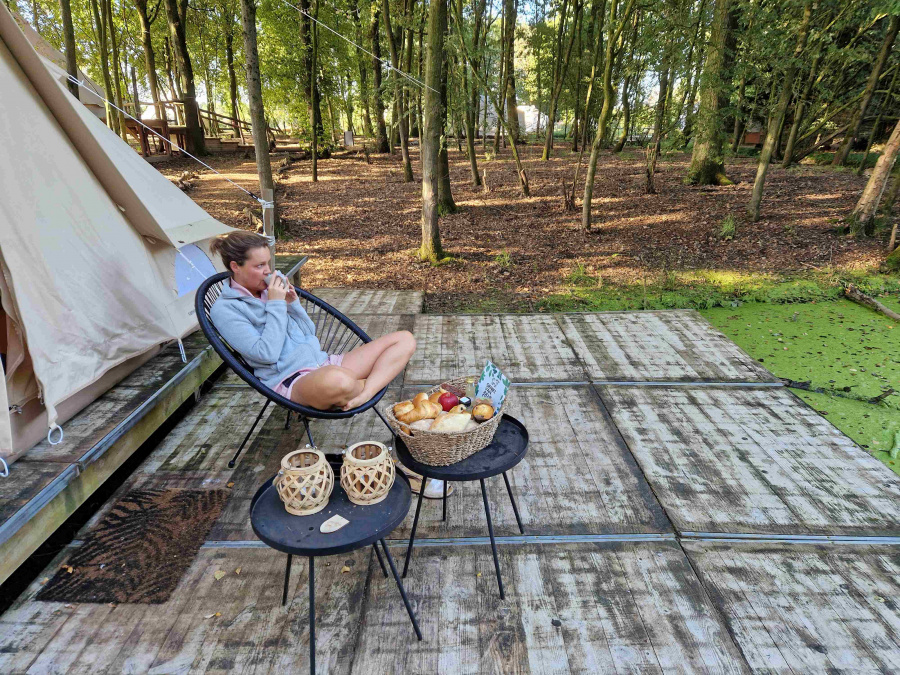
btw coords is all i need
(442, 449)
(305, 482)
(367, 473)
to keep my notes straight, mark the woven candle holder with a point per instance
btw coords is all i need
(305, 482)
(367, 473)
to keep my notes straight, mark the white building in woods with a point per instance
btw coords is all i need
(530, 119)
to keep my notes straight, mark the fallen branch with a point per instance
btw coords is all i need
(851, 292)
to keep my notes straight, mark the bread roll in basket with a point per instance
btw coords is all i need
(441, 448)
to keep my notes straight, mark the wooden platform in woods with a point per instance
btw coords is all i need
(683, 513)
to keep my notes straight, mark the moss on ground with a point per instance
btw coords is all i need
(849, 351)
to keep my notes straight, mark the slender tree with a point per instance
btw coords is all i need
(430, 249)
(69, 35)
(560, 68)
(616, 24)
(862, 219)
(509, 46)
(887, 44)
(777, 118)
(194, 130)
(397, 85)
(381, 139)
(257, 109)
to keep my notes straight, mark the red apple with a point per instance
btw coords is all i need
(448, 400)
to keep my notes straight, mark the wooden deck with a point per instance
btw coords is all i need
(699, 518)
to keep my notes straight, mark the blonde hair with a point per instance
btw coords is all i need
(235, 246)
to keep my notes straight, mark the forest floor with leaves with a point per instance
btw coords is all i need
(360, 226)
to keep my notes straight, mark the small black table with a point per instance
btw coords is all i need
(300, 535)
(504, 452)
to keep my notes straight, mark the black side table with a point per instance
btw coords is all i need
(300, 535)
(504, 452)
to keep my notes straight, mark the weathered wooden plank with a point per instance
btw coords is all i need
(30, 479)
(729, 460)
(372, 300)
(806, 608)
(527, 348)
(94, 473)
(676, 345)
(615, 615)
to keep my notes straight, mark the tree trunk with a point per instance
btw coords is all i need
(472, 90)
(777, 118)
(445, 193)
(257, 110)
(399, 104)
(232, 82)
(626, 117)
(174, 89)
(739, 117)
(315, 110)
(509, 41)
(99, 23)
(862, 219)
(841, 155)
(194, 131)
(146, 22)
(71, 54)
(381, 139)
(560, 68)
(876, 126)
(430, 249)
(708, 157)
(117, 78)
(608, 102)
(363, 72)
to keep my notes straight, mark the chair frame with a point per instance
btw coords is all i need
(330, 323)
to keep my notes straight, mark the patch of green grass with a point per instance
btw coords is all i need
(728, 227)
(747, 151)
(705, 289)
(503, 259)
(579, 277)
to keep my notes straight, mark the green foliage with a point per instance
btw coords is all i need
(579, 277)
(727, 228)
(854, 159)
(504, 260)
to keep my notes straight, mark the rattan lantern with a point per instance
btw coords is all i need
(367, 473)
(305, 482)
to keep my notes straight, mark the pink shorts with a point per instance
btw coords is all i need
(284, 388)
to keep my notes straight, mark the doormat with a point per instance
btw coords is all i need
(138, 551)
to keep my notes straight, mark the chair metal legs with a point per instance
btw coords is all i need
(249, 433)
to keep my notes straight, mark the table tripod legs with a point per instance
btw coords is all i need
(412, 617)
(287, 579)
(380, 560)
(312, 615)
(412, 535)
(487, 512)
(513, 500)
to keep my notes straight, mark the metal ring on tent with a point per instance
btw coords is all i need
(5, 472)
(50, 440)
(181, 349)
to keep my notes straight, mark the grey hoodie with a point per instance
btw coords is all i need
(275, 338)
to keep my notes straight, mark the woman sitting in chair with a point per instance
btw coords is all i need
(266, 323)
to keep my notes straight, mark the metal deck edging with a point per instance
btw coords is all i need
(33, 506)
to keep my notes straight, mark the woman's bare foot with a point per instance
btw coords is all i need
(360, 398)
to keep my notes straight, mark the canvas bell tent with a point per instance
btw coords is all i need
(99, 253)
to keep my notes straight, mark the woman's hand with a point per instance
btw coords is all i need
(278, 288)
(291, 293)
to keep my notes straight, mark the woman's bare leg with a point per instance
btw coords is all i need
(377, 363)
(326, 388)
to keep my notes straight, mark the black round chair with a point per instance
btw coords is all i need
(336, 333)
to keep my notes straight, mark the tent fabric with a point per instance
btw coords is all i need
(89, 238)
(147, 198)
